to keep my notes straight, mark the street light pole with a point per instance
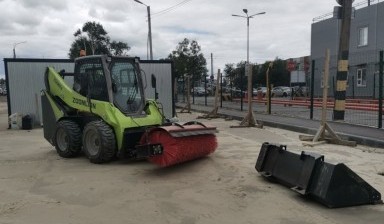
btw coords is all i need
(246, 12)
(149, 28)
(14, 47)
(149, 32)
(249, 120)
(246, 67)
(248, 17)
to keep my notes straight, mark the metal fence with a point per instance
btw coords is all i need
(364, 96)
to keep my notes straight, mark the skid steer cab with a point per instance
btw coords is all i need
(105, 114)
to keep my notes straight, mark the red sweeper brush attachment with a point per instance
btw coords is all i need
(181, 143)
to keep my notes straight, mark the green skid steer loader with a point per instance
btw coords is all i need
(105, 114)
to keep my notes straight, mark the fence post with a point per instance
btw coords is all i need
(193, 93)
(221, 90)
(333, 88)
(353, 87)
(374, 86)
(268, 94)
(312, 88)
(205, 90)
(241, 91)
(381, 90)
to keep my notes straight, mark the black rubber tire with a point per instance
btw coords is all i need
(285, 94)
(67, 138)
(99, 142)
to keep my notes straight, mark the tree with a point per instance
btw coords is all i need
(188, 59)
(230, 73)
(95, 40)
(237, 75)
(279, 76)
(118, 48)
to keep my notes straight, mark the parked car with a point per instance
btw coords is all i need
(236, 92)
(199, 91)
(305, 90)
(3, 91)
(263, 91)
(281, 91)
(300, 91)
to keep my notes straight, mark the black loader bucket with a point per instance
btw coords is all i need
(308, 174)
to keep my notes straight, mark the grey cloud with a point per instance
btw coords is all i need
(17, 20)
(49, 4)
(284, 31)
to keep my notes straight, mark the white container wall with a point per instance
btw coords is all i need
(25, 79)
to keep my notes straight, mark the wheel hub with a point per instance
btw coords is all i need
(92, 142)
(62, 139)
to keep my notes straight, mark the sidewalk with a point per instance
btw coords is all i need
(368, 136)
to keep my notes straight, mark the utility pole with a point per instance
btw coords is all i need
(212, 77)
(14, 47)
(149, 32)
(342, 60)
(149, 29)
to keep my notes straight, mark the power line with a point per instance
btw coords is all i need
(170, 8)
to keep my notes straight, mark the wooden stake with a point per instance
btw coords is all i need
(187, 107)
(249, 119)
(320, 136)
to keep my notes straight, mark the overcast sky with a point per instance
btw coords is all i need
(48, 27)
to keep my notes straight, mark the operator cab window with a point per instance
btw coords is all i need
(90, 80)
(126, 87)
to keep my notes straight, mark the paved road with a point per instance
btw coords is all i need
(361, 134)
(357, 117)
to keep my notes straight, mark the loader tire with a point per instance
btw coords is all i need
(67, 138)
(99, 142)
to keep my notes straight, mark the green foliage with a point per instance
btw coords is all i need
(188, 59)
(95, 40)
(2, 81)
(279, 76)
(118, 48)
(237, 75)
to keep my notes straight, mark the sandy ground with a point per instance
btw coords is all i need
(37, 186)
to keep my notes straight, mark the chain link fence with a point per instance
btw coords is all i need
(364, 95)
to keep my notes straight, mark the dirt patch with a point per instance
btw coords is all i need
(38, 186)
(3, 98)
(3, 107)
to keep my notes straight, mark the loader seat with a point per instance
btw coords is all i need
(91, 83)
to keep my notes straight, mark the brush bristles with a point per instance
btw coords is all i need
(182, 149)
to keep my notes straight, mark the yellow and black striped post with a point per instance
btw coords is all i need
(342, 63)
(381, 88)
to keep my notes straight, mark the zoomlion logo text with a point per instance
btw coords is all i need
(83, 103)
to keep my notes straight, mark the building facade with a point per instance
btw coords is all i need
(366, 41)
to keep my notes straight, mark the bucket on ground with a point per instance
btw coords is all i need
(308, 174)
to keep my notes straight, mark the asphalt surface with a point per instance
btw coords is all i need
(368, 136)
